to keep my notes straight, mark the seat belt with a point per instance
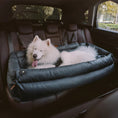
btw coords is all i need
(83, 35)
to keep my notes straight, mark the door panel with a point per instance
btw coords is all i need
(105, 31)
(107, 40)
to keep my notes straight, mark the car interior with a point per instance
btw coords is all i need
(75, 24)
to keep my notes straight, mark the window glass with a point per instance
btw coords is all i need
(107, 16)
(36, 12)
(86, 13)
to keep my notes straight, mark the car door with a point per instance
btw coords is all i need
(105, 31)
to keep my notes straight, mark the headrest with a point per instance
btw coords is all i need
(52, 28)
(24, 28)
(71, 27)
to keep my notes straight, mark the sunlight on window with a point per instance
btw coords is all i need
(86, 17)
(36, 12)
(107, 16)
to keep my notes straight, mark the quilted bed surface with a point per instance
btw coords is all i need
(32, 84)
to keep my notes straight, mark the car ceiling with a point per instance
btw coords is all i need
(71, 8)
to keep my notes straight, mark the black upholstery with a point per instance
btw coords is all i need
(31, 84)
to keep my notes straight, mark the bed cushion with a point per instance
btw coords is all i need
(30, 84)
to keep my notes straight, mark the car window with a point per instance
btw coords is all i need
(85, 20)
(107, 16)
(86, 13)
(36, 12)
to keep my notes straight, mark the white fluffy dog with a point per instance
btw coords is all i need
(42, 54)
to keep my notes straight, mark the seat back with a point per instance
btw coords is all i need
(20, 34)
(74, 33)
(58, 33)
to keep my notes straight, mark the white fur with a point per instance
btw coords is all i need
(81, 54)
(45, 66)
(48, 54)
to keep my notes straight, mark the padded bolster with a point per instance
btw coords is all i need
(31, 75)
(37, 83)
(42, 89)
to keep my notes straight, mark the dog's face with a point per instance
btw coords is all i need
(37, 49)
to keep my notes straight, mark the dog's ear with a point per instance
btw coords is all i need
(48, 41)
(36, 38)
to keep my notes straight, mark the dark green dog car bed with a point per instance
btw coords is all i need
(30, 84)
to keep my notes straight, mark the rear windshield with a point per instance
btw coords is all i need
(36, 12)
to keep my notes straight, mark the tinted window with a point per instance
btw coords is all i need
(107, 16)
(36, 12)
(86, 17)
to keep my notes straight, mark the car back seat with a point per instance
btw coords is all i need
(74, 33)
(84, 35)
(59, 35)
(26, 31)
(39, 30)
(22, 33)
(53, 31)
(70, 34)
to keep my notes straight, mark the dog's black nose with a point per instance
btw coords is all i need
(34, 56)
